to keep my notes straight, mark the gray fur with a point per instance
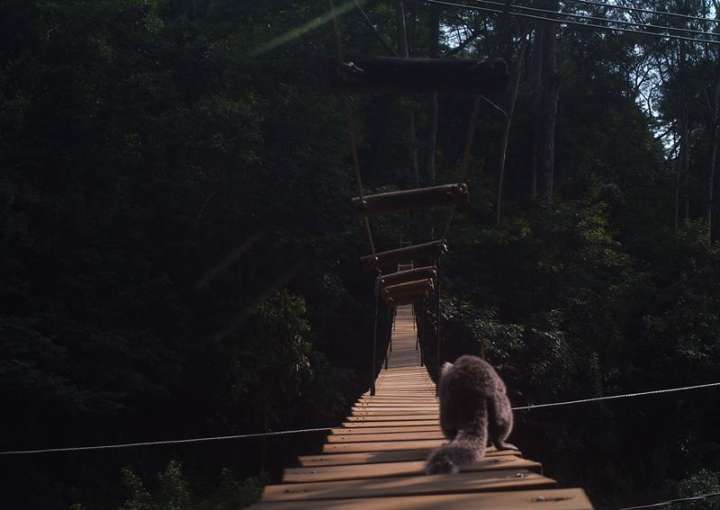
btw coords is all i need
(473, 406)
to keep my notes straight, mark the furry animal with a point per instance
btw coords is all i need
(473, 406)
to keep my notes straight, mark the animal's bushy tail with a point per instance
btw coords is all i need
(467, 448)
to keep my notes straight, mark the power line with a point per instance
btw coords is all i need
(160, 443)
(321, 429)
(569, 22)
(647, 11)
(671, 501)
(598, 18)
(615, 397)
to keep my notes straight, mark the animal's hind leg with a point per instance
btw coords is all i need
(501, 421)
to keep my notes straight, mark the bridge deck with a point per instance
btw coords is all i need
(375, 460)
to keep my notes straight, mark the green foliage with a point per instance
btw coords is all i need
(139, 498)
(703, 482)
(172, 492)
(232, 493)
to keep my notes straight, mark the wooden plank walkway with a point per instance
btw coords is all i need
(375, 460)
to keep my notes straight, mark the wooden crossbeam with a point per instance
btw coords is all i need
(446, 195)
(408, 275)
(406, 76)
(425, 253)
(407, 292)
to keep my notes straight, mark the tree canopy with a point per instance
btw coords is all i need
(180, 255)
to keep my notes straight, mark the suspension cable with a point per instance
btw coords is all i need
(320, 429)
(569, 22)
(351, 130)
(669, 502)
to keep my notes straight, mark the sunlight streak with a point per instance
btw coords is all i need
(304, 29)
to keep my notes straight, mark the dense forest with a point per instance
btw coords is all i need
(180, 256)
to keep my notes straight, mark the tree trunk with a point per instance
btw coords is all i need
(405, 52)
(684, 159)
(544, 77)
(510, 110)
(713, 155)
(434, 120)
(550, 91)
(676, 212)
(536, 83)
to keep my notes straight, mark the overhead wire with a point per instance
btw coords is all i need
(162, 442)
(570, 22)
(597, 18)
(646, 11)
(616, 397)
(321, 429)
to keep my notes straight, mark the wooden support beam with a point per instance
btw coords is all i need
(446, 195)
(425, 253)
(408, 275)
(408, 292)
(407, 76)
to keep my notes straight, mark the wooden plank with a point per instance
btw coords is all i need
(405, 393)
(396, 385)
(375, 446)
(341, 459)
(357, 424)
(398, 399)
(443, 195)
(407, 486)
(533, 499)
(395, 412)
(394, 417)
(406, 276)
(389, 399)
(383, 396)
(400, 377)
(399, 406)
(419, 398)
(389, 469)
(404, 293)
(385, 430)
(395, 407)
(394, 436)
(425, 253)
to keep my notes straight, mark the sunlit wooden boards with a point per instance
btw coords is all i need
(404, 76)
(401, 455)
(406, 468)
(532, 499)
(376, 459)
(408, 486)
